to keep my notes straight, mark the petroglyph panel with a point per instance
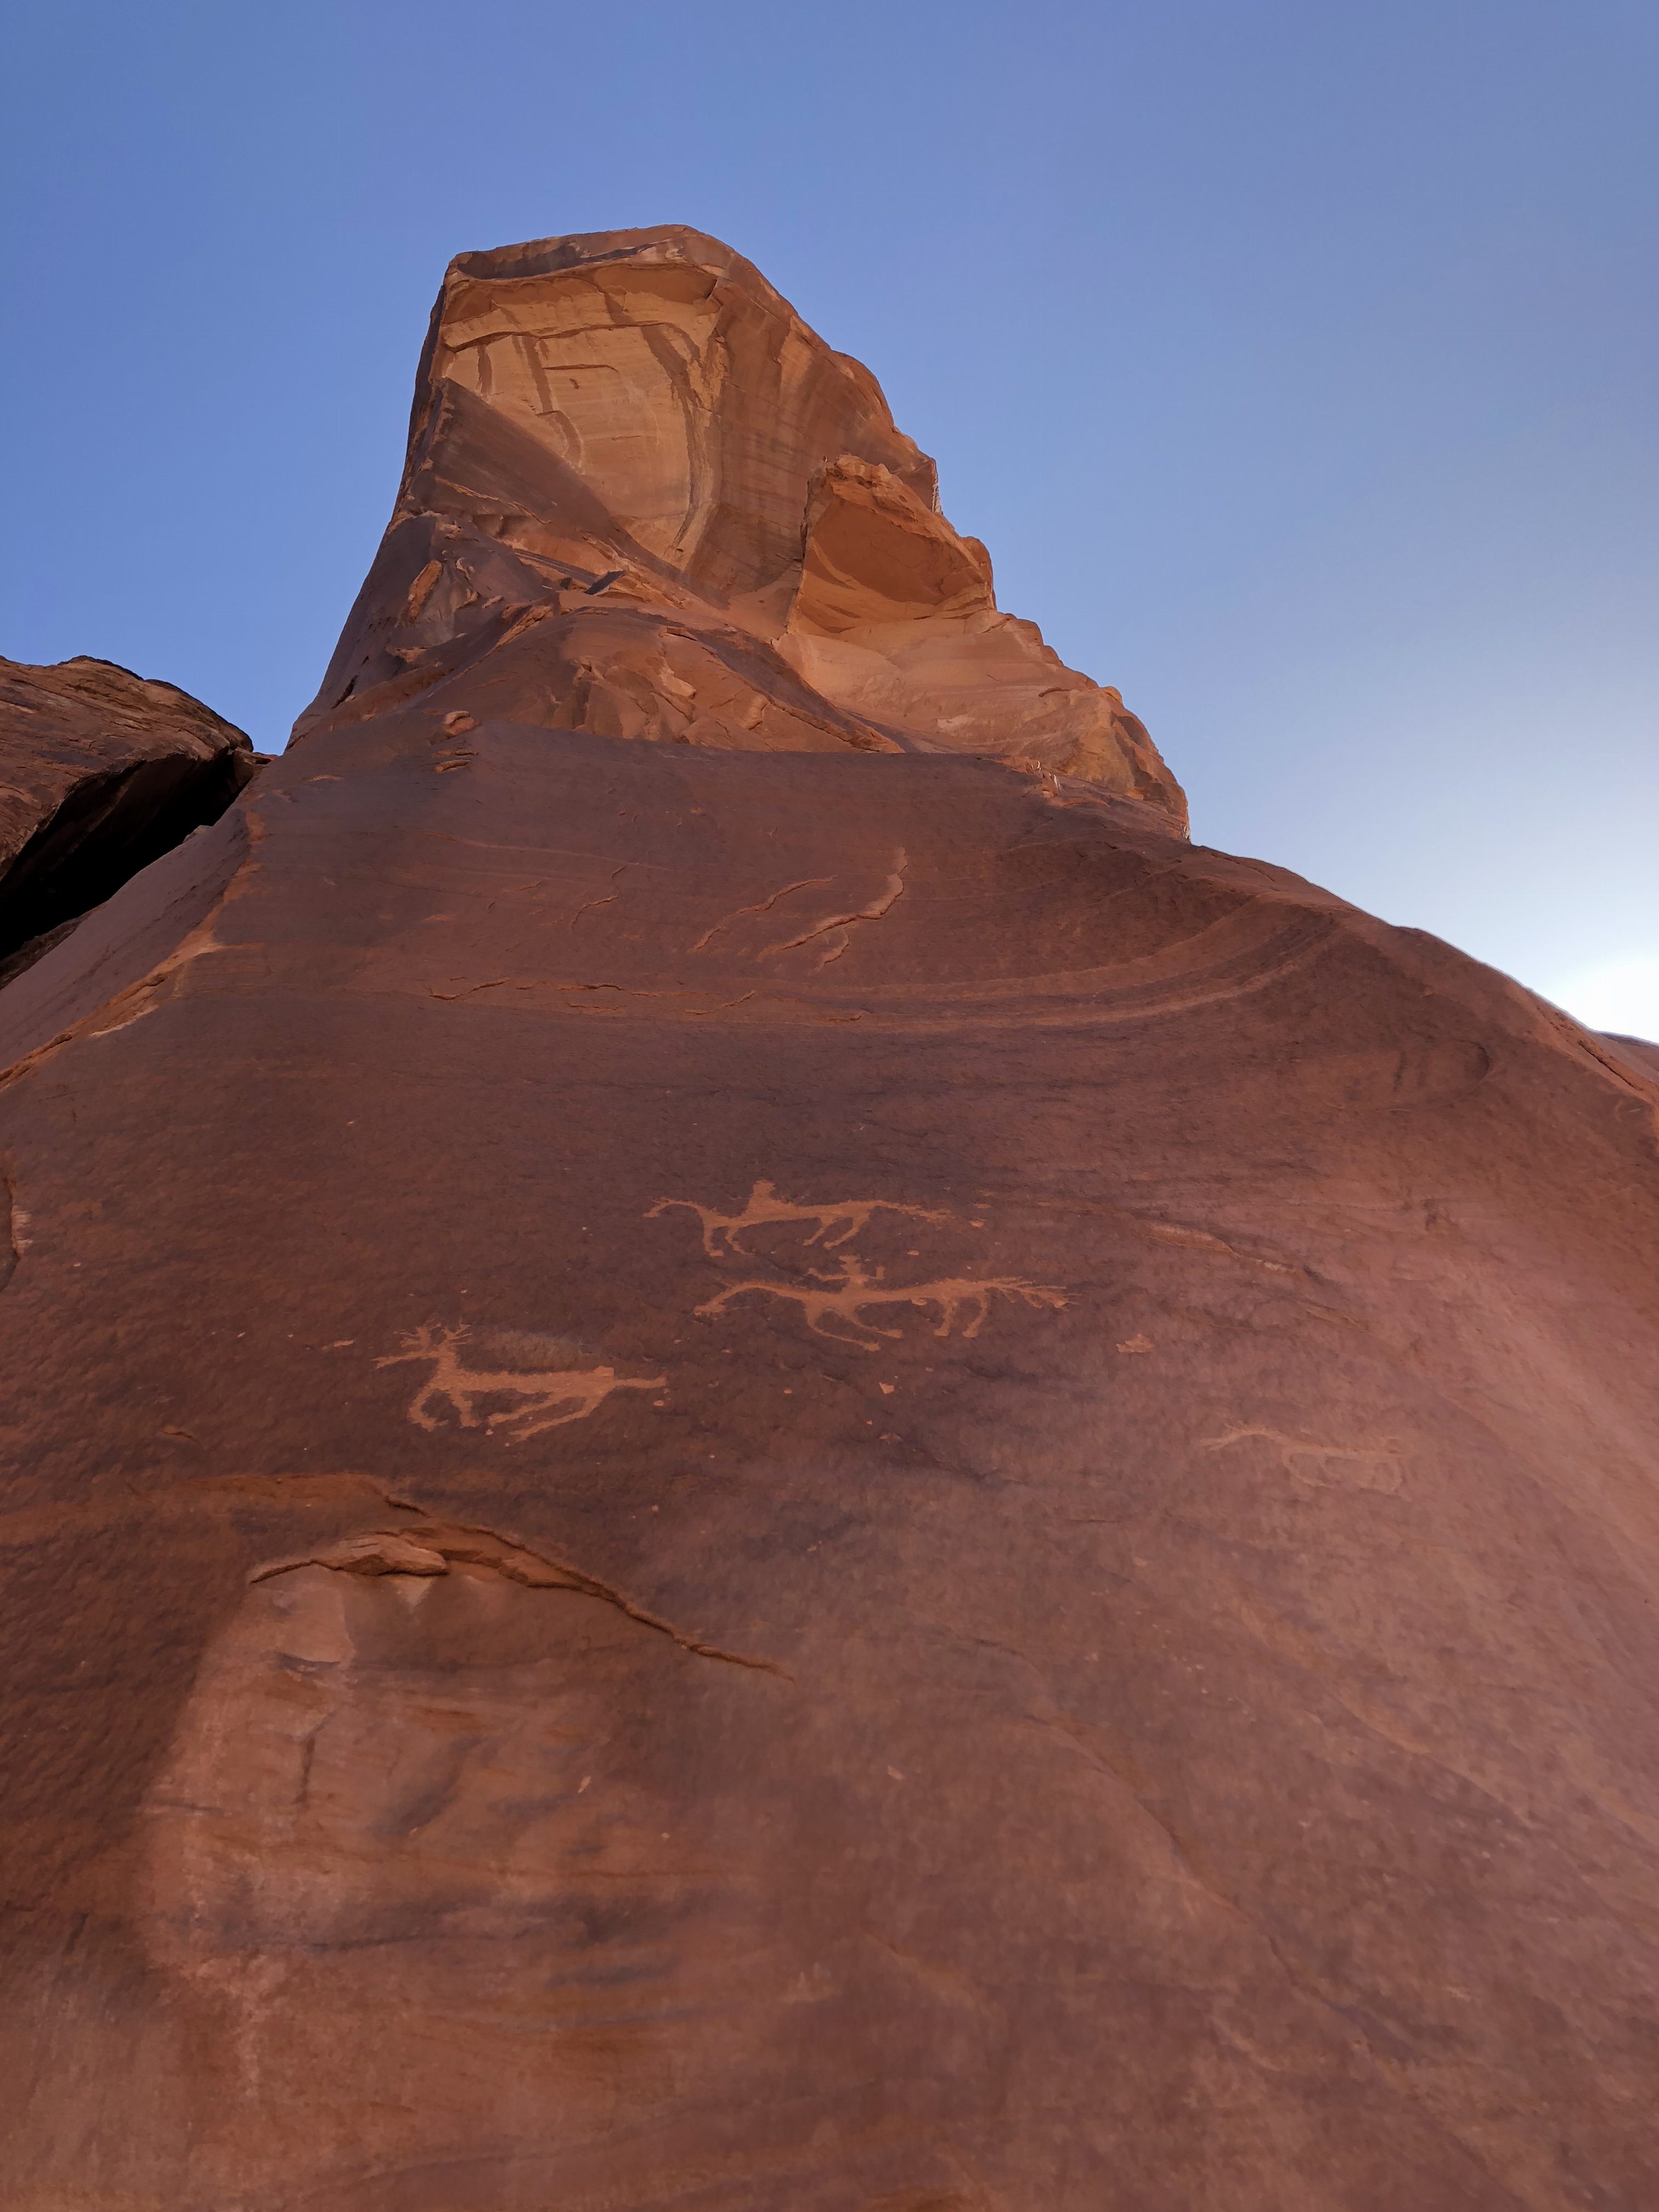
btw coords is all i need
(837, 1302)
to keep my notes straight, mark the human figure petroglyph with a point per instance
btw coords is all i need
(579, 1390)
(833, 1305)
(764, 1207)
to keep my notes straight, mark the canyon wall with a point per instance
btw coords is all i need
(757, 1455)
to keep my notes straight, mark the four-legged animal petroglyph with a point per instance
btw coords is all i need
(764, 1206)
(835, 1305)
(838, 1303)
(550, 1396)
(841, 1301)
(1305, 1459)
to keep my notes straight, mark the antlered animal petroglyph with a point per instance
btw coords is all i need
(837, 1302)
(550, 1396)
(764, 1206)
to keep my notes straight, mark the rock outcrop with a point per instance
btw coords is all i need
(801, 1473)
(101, 773)
(643, 498)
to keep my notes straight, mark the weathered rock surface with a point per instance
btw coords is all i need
(810, 1477)
(643, 498)
(101, 773)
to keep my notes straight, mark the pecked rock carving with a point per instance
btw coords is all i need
(550, 1396)
(835, 1305)
(1366, 1467)
(835, 1302)
(723, 1233)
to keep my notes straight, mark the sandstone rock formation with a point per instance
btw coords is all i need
(643, 498)
(801, 1471)
(101, 773)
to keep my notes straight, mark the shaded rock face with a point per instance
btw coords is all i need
(811, 1476)
(101, 773)
(643, 498)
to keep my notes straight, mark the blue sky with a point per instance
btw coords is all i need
(1298, 363)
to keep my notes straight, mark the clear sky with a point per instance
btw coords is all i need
(1298, 360)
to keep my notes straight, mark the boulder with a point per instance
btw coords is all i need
(102, 772)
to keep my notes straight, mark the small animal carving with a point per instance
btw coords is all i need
(1306, 1459)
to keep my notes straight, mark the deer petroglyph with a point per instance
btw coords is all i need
(550, 1396)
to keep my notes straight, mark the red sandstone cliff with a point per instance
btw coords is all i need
(798, 1470)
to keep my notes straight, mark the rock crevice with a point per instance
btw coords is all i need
(104, 772)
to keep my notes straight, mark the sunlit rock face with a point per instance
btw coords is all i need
(755, 1460)
(643, 497)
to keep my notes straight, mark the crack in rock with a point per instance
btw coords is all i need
(428, 1548)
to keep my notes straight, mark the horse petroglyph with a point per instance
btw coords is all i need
(838, 1302)
(765, 1207)
(835, 1305)
(548, 1396)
